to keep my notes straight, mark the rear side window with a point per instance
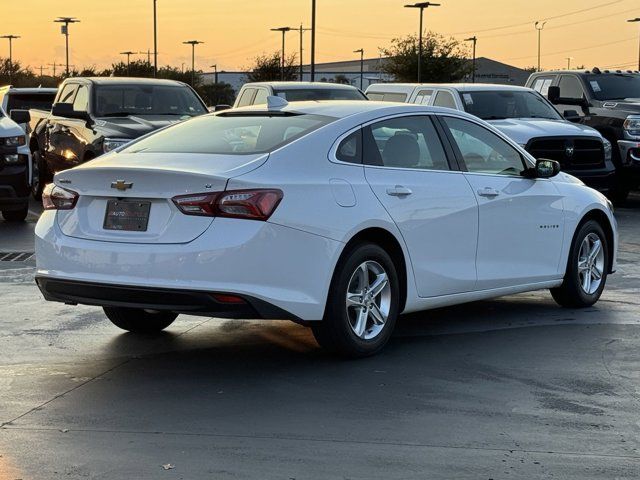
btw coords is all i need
(387, 97)
(350, 149)
(542, 84)
(444, 99)
(404, 142)
(230, 134)
(247, 97)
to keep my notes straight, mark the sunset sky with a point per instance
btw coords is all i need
(594, 32)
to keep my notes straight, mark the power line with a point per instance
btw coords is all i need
(575, 49)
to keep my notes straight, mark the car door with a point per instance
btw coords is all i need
(521, 220)
(58, 149)
(432, 204)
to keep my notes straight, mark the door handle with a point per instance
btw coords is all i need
(488, 192)
(399, 191)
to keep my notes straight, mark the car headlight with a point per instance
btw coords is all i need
(608, 149)
(110, 144)
(632, 125)
(16, 141)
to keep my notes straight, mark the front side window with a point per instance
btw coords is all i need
(500, 104)
(230, 134)
(570, 87)
(444, 99)
(123, 100)
(261, 97)
(404, 142)
(423, 97)
(247, 97)
(67, 94)
(81, 102)
(482, 150)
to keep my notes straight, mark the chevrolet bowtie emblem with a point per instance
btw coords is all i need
(121, 185)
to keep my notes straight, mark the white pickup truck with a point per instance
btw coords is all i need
(522, 114)
(15, 166)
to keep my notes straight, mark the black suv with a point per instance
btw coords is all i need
(608, 101)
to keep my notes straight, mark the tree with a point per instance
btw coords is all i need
(137, 68)
(340, 78)
(443, 59)
(267, 68)
(220, 93)
(15, 74)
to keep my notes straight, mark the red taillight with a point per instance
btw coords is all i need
(58, 198)
(224, 298)
(256, 204)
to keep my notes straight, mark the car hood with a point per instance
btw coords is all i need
(631, 105)
(524, 129)
(135, 126)
(9, 128)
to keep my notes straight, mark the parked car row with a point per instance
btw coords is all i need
(337, 215)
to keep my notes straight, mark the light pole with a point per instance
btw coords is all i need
(539, 26)
(284, 30)
(361, 52)
(633, 20)
(128, 54)
(313, 40)
(10, 38)
(569, 62)
(155, 39)
(193, 44)
(65, 31)
(473, 39)
(215, 73)
(421, 6)
(302, 30)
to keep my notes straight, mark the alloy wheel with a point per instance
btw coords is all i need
(591, 263)
(368, 300)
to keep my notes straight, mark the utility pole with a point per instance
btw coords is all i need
(54, 65)
(473, 39)
(284, 30)
(10, 38)
(569, 62)
(41, 71)
(128, 54)
(302, 30)
(633, 20)
(313, 40)
(361, 52)
(421, 6)
(539, 26)
(155, 39)
(65, 31)
(215, 73)
(193, 44)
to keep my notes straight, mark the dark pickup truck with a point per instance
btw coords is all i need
(608, 101)
(92, 116)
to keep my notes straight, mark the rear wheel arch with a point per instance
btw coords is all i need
(388, 242)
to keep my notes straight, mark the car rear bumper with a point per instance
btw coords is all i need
(280, 266)
(175, 300)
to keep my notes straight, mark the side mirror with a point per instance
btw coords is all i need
(547, 168)
(20, 116)
(66, 110)
(554, 95)
(221, 107)
(571, 115)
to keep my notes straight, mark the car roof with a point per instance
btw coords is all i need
(348, 108)
(302, 85)
(128, 81)
(461, 87)
(12, 90)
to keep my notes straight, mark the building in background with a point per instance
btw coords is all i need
(487, 71)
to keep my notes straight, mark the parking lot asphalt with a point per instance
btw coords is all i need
(511, 388)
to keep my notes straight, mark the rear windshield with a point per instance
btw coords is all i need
(230, 134)
(387, 97)
(614, 86)
(26, 101)
(307, 94)
(500, 104)
(140, 100)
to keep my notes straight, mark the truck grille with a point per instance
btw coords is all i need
(572, 153)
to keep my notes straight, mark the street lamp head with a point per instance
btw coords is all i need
(540, 25)
(282, 29)
(471, 39)
(192, 42)
(360, 50)
(422, 5)
(637, 19)
(66, 20)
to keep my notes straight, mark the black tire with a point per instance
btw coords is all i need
(335, 331)
(16, 215)
(41, 175)
(136, 320)
(571, 293)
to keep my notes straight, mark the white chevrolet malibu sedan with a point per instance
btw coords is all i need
(336, 215)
